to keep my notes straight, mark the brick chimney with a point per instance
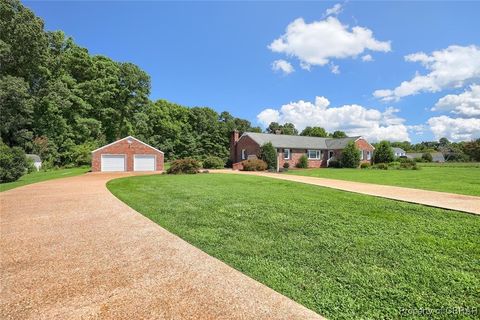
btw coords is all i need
(233, 145)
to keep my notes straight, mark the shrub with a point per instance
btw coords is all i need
(212, 162)
(286, 165)
(31, 166)
(380, 166)
(187, 165)
(13, 163)
(302, 162)
(334, 164)
(254, 165)
(350, 157)
(383, 153)
(409, 165)
(427, 157)
(365, 165)
(269, 155)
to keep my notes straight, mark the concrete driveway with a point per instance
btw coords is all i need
(71, 250)
(443, 200)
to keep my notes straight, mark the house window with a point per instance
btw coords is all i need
(314, 154)
(244, 154)
(369, 155)
(286, 154)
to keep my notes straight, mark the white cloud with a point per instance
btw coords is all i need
(455, 129)
(353, 119)
(318, 42)
(334, 11)
(449, 68)
(283, 66)
(335, 69)
(465, 104)
(367, 58)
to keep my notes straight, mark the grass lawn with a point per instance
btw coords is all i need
(343, 255)
(43, 176)
(462, 180)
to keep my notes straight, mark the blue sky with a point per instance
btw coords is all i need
(220, 54)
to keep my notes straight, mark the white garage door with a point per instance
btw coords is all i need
(113, 162)
(144, 162)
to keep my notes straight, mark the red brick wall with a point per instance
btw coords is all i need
(295, 155)
(364, 146)
(251, 147)
(123, 147)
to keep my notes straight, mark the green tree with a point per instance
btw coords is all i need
(269, 155)
(472, 148)
(383, 153)
(427, 157)
(13, 163)
(314, 132)
(16, 110)
(339, 134)
(350, 157)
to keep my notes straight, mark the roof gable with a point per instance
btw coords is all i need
(128, 137)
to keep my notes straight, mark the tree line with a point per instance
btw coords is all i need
(60, 102)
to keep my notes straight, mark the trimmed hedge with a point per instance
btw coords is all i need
(254, 165)
(212, 162)
(187, 165)
(302, 162)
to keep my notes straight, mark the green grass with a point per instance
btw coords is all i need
(461, 180)
(343, 255)
(39, 176)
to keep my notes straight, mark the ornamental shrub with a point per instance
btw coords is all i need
(380, 166)
(302, 162)
(187, 165)
(254, 165)
(365, 165)
(286, 165)
(269, 155)
(427, 157)
(212, 162)
(13, 163)
(334, 164)
(350, 157)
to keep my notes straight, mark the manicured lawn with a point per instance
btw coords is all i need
(343, 255)
(43, 176)
(462, 180)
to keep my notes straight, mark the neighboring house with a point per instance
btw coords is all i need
(436, 156)
(320, 151)
(399, 152)
(127, 154)
(37, 162)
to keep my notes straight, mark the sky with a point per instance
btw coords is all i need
(383, 70)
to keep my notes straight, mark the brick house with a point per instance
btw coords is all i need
(127, 154)
(320, 151)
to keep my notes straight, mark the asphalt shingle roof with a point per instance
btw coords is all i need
(299, 142)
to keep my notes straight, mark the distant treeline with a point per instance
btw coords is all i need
(60, 102)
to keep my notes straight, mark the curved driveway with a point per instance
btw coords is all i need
(443, 200)
(71, 250)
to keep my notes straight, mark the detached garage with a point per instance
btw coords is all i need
(127, 154)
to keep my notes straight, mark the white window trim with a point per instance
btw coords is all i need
(317, 152)
(289, 154)
(244, 154)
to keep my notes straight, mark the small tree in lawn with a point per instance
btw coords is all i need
(350, 157)
(269, 155)
(383, 153)
(427, 157)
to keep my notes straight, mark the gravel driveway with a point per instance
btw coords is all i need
(71, 250)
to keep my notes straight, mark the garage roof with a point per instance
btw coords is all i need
(129, 137)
